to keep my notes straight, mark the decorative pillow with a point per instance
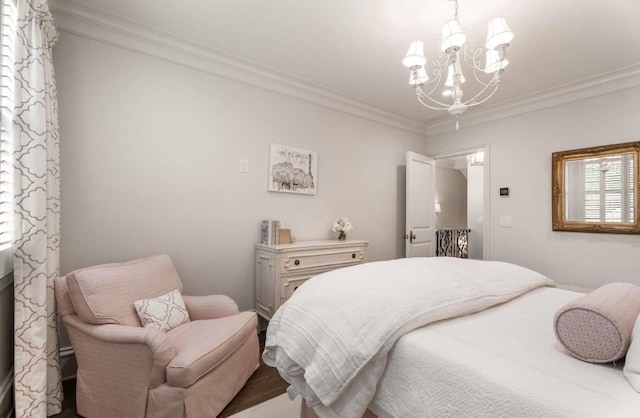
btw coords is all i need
(597, 326)
(164, 312)
(632, 363)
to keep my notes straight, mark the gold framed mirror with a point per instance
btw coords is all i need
(596, 189)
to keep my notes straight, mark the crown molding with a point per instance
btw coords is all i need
(610, 82)
(82, 20)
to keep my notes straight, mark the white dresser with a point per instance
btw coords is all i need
(281, 269)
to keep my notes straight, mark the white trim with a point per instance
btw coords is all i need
(6, 280)
(610, 82)
(486, 192)
(114, 30)
(89, 22)
(6, 389)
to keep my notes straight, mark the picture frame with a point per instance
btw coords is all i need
(292, 170)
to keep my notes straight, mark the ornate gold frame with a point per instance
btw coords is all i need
(558, 160)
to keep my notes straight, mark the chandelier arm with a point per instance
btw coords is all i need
(438, 74)
(432, 107)
(485, 99)
(446, 106)
(471, 59)
(475, 74)
(493, 82)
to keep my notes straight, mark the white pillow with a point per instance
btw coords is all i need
(164, 312)
(632, 362)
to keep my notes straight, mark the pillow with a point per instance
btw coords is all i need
(597, 326)
(632, 363)
(164, 312)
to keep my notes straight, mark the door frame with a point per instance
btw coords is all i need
(486, 190)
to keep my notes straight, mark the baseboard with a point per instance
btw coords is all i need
(6, 395)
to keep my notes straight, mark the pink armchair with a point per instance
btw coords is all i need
(125, 370)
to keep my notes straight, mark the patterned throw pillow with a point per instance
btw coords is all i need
(164, 312)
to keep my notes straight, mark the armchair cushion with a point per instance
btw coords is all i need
(202, 345)
(164, 312)
(105, 294)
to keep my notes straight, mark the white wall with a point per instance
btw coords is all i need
(150, 156)
(521, 148)
(475, 209)
(451, 194)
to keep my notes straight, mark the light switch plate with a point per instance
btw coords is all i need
(244, 166)
(505, 221)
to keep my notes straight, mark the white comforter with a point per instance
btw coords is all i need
(331, 339)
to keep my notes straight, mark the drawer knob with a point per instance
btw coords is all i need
(353, 255)
(297, 262)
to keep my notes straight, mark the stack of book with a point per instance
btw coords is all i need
(270, 232)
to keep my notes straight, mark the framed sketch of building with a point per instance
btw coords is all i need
(293, 170)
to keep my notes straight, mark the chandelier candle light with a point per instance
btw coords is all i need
(452, 57)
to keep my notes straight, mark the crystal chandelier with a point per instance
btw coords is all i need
(454, 54)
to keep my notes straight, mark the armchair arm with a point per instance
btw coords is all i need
(210, 307)
(155, 340)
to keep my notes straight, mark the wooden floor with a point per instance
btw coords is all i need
(263, 385)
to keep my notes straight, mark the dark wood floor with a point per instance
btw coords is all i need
(263, 385)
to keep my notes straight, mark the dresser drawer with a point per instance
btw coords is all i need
(291, 285)
(319, 261)
(281, 269)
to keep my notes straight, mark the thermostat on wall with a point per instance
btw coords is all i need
(504, 191)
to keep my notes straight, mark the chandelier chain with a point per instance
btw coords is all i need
(455, 6)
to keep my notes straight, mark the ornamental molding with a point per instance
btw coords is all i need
(79, 19)
(89, 22)
(602, 84)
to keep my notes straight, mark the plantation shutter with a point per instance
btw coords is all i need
(609, 192)
(7, 42)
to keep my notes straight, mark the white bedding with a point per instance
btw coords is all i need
(502, 362)
(331, 339)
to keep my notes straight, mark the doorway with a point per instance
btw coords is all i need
(462, 198)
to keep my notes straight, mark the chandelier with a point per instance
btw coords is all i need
(455, 52)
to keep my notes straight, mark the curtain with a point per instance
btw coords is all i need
(38, 390)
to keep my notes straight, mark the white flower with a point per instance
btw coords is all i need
(342, 224)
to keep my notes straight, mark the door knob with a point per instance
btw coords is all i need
(413, 236)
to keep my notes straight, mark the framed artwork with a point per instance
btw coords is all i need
(293, 170)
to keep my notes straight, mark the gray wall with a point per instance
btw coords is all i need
(521, 148)
(451, 193)
(150, 154)
(6, 343)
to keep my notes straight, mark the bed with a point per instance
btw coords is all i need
(503, 361)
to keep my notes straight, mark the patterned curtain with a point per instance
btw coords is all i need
(38, 391)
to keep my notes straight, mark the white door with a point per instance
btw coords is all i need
(421, 199)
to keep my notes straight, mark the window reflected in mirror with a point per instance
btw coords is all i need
(595, 189)
(600, 189)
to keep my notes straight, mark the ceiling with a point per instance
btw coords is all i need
(355, 47)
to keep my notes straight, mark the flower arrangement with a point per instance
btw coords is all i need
(342, 226)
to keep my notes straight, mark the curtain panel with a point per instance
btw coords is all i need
(36, 201)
